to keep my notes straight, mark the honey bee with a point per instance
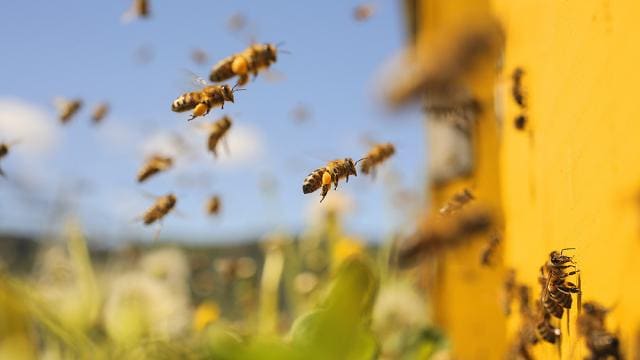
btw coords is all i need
(199, 56)
(213, 205)
(4, 151)
(378, 154)
(162, 206)
(251, 60)
(139, 9)
(457, 202)
(363, 12)
(591, 324)
(517, 90)
(67, 109)
(490, 249)
(217, 131)
(520, 122)
(204, 100)
(99, 112)
(154, 165)
(330, 174)
(556, 291)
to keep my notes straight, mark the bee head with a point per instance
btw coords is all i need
(391, 149)
(4, 149)
(558, 258)
(227, 93)
(271, 51)
(225, 122)
(351, 166)
(171, 200)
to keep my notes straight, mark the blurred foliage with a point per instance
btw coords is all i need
(318, 296)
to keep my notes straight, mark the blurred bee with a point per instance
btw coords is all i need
(162, 206)
(330, 174)
(67, 109)
(520, 122)
(204, 100)
(527, 333)
(591, 324)
(99, 112)
(459, 200)
(441, 234)
(199, 56)
(363, 12)
(490, 249)
(376, 156)
(517, 90)
(154, 165)
(139, 9)
(547, 331)
(217, 130)
(213, 205)
(251, 60)
(236, 22)
(4, 151)
(509, 288)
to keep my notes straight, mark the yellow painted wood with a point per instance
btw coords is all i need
(571, 180)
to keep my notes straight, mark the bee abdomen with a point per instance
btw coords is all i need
(313, 181)
(185, 102)
(222, 70)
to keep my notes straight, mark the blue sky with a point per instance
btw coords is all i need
(82, 49)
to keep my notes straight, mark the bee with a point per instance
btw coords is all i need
(154, 165)
(363, 12)
(490, 249)
(4, 151)
(162, 206)
(213, 205)
(139, 9)
(378, 154)
(547, 331)
(218, 130)
(520, 122)
(204, 100)
(99, 112)
(509, 288)
(67, 109)
(557, 292)
(251, 60)
(199, 56)
(237, 22)
(516, 90)
(591, 324)
(330, 174)
(459, 200)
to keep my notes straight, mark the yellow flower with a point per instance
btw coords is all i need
(206, 313)
(344, 248)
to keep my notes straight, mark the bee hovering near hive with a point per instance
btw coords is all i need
(67, 108)
(162, 206)
(217, 131)
(154, 165)
(332, 173)
(252, 60)
(213, 205)
(201, 102)
(376, 156)
(99, 112)
(457, 202)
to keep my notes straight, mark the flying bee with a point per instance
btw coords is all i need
(162, 206)
(517, 90)
(457, 202)
(67, 109)
(4, 151)
(490, 249)
(217, 130)
(252, 60)
(139, 9)
(591, 324)
(204, 100)
(376, 156)
(363, 12)
(154, 165)
(99, 112)
(330, 174)
(213, 205)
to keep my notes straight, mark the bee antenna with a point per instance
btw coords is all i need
(280, 44)
(233, 89)
(364, 158)
(284, 52)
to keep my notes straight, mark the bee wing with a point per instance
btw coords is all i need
(191, 81)
(274, 76)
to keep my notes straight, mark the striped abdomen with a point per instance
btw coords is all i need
(547, 332)
(220, 128)
(313, 181)
(186, 101)
(222, 70)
